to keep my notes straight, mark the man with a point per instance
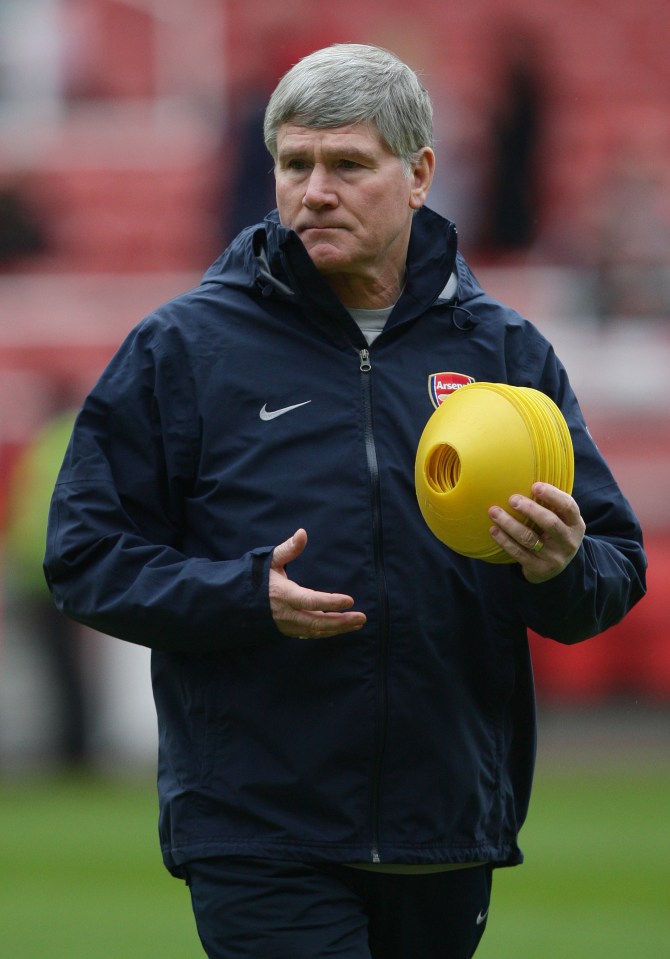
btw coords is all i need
(346, 724)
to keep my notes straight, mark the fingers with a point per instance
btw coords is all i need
(326, 625)
(557, 515)
(310, 600)
(560, 504)
(289, 550)
(307, 613)
(546, 547)
(520, 542)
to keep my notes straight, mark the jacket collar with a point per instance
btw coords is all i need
(273, 259)
(431, 264)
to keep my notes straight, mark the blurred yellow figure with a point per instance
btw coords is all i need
(56, 637)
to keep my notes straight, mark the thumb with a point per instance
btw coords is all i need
(289, 550)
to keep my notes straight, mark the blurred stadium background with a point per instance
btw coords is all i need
(130, 153)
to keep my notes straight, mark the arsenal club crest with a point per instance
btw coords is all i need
(440, 385)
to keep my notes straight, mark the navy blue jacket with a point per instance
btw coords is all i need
(411, 741)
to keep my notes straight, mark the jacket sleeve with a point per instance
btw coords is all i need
(607, 576)
(114, 558)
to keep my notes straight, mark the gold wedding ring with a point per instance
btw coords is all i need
(538, 546)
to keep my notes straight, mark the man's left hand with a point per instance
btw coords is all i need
(545, 550)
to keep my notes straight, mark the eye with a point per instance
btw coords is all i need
(349, 165)
(294, 163)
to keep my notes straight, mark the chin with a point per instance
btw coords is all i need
(328, 260)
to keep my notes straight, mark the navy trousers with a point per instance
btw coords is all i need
(268, 909)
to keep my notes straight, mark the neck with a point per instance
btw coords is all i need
(358, 293)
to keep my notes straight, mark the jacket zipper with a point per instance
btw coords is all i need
(382, 593)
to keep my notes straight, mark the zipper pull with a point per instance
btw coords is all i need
(366, 366)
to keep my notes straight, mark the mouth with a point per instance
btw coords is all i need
(319, 228)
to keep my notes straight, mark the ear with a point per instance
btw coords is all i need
(422, 177)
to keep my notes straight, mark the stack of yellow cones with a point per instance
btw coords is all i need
(485, 442)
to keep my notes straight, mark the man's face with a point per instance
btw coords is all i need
(349, 199)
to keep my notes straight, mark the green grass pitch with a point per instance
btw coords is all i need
(82, 877)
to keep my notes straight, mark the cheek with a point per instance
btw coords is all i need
(285, 205)
(392, 201)
(287, 189)
(388, 215)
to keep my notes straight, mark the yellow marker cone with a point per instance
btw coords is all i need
(485, 442)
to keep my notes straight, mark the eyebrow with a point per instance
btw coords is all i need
(346, 152)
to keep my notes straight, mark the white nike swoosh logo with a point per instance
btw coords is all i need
(266, 414)
(482, 917)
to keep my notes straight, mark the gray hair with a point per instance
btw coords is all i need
(349, 83)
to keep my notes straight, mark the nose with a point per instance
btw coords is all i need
(320, 190)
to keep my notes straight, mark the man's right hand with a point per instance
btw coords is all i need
(307, 613)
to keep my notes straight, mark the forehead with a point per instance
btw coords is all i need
(359, 137)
